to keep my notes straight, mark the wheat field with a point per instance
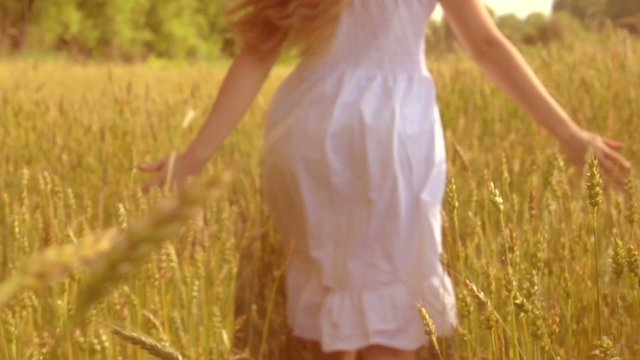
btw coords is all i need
(545, 261)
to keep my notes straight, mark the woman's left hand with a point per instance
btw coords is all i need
(173, 170)
(613, 165)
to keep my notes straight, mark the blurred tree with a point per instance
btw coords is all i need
(594, 11)
(512, 26)
(564, 26)
(585, 10)
(491, 11)
(214, 30)
(535, 29)
(561, 26)
(440, 37)
(56, 24)
(535, 20)
(137, 29)
(620, 9)
(15, 16)
(127, 29)
(175, 26)
(623, 10)
(114, 28)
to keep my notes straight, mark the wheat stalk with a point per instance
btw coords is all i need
(429, 328)
(144, 236)
(146, 343)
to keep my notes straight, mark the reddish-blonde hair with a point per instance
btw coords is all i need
(304, 25)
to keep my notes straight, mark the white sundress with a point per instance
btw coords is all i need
(353, 174)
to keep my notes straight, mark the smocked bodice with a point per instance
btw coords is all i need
(379, 36)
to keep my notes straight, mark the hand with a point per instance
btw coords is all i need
(180, 166)
(613, 166)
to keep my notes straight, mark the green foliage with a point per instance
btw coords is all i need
(124, 29)
(618, 9)
(563, 26)
(585, 10)
(115, 27)
(441, 38)
(593, 12)
(513, 27)
(214, 27)
(536, 29)
(174, 28)
(571, 20)
(14, 15)
(195, 29)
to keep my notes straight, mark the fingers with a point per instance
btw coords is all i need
(158, 181)
(620, 163)
(616, 168)
(613, 144)
(613, 165)
(612, 174)
(168, 173)
(162, 180)
(152, 167)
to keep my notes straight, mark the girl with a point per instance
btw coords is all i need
(354, 163)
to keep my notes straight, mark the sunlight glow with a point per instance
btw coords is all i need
(519, 7)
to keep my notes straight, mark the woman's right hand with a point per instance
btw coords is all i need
(240, 87)
(174, 168)
(613, 166)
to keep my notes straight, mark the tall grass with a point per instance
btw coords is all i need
(520, 233)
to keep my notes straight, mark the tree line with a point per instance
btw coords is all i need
(139, 29)
(128, 29)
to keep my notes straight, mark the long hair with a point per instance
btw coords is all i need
(307, 26)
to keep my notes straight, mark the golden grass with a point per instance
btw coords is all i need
(520, 233)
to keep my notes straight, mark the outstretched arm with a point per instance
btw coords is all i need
(239, 89)
(507, 68)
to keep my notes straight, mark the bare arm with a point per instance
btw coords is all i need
(239, 89)
(502, 62)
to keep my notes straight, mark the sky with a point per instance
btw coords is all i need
(521, 8)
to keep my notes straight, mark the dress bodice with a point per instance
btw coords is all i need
(379, 36)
